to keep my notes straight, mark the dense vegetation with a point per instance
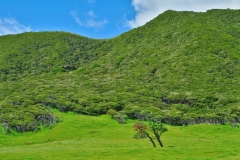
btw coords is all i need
(184, 66)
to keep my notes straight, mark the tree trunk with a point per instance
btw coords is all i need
(158, 139)
(154, 145)
(160, 142)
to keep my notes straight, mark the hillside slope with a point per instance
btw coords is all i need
(182, 65)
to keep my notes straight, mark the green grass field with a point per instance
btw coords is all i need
(88, 137)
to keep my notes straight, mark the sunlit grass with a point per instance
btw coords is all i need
(87, 137)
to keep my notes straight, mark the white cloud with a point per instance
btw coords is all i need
(12, 26)
(91, 13)
(77, 20)
(90, 22)
(96, 24)
(146, 10)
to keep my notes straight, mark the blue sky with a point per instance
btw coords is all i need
(92, 18)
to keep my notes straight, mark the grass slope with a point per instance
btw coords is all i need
(182, 65)
(88, 137)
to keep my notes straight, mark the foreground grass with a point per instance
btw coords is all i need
(86, 137)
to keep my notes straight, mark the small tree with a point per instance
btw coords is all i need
(158, 129)
(155, 126)
(142, 132)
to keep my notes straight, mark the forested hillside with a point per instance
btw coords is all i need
(184, 66)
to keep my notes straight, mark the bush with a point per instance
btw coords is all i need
(112, 113)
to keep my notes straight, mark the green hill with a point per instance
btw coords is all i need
(182, 65)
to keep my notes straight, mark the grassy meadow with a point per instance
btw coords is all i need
(100, 137)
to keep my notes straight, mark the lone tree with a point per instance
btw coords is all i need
(156, 128)
(142, 132)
